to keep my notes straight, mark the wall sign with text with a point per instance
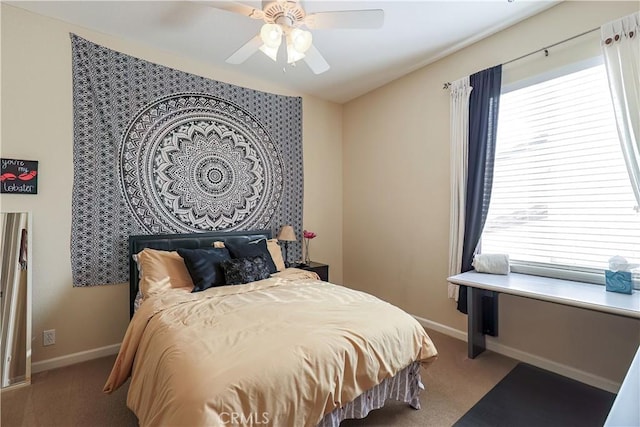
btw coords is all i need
(18, 176)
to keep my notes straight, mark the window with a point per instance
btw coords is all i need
(561, 203)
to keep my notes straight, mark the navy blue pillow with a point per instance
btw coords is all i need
(238, 271)
(249, 249)
(204, 266)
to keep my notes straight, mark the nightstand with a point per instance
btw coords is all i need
(321, 269)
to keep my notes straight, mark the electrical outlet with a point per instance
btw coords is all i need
(49, 337)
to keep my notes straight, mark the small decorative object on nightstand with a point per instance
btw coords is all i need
(286, 235)
(308, 235)
(321, 269)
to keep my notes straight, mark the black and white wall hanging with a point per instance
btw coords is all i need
(157, 150)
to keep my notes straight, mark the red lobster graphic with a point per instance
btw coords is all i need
(8, 176)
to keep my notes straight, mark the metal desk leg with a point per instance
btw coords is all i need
(475, 336)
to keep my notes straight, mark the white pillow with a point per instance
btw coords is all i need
(276, 253)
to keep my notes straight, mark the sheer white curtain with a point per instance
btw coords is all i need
(621, 48)
(460, 91)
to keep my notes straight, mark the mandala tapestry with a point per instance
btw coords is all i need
(157, 151)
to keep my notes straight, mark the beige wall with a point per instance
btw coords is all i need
(396, 205)
(37, 125)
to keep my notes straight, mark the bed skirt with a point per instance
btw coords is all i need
(405, 386)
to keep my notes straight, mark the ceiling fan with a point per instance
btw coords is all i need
(287, 19)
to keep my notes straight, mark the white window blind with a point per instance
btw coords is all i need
(561, 197)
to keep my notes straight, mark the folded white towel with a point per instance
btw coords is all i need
(491, 263)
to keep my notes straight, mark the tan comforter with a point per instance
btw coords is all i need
(276, 352)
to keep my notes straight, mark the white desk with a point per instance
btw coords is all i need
(626, 410)
(576, 294)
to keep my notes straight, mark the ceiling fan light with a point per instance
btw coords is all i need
(271, 35)
(271, 52)
(300, 39)
(293, 55)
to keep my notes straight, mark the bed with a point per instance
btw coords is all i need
(286, 350)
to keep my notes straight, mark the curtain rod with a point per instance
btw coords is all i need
(542, 49)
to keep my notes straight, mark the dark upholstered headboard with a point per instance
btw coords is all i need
(169, 242)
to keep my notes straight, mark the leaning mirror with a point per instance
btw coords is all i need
(15, 297)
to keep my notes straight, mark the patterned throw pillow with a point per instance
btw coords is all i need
(238, 271)
(243, 248)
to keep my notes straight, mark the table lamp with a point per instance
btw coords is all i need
(286, 235)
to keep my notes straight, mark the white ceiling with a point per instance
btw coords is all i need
(414, 34)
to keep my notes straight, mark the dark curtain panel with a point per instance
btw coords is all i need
(483, 126)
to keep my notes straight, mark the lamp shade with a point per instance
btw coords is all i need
(298, 42)
(271, 35)
(271, 52)
(300, 39)
(287, 234)
(293, 55)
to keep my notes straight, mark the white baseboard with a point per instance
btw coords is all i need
(71, 359)
(523, 356)
(439, 327)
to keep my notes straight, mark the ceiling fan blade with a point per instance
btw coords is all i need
(235, 7)
(370, 18)
(242, 54)
(315, 60)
